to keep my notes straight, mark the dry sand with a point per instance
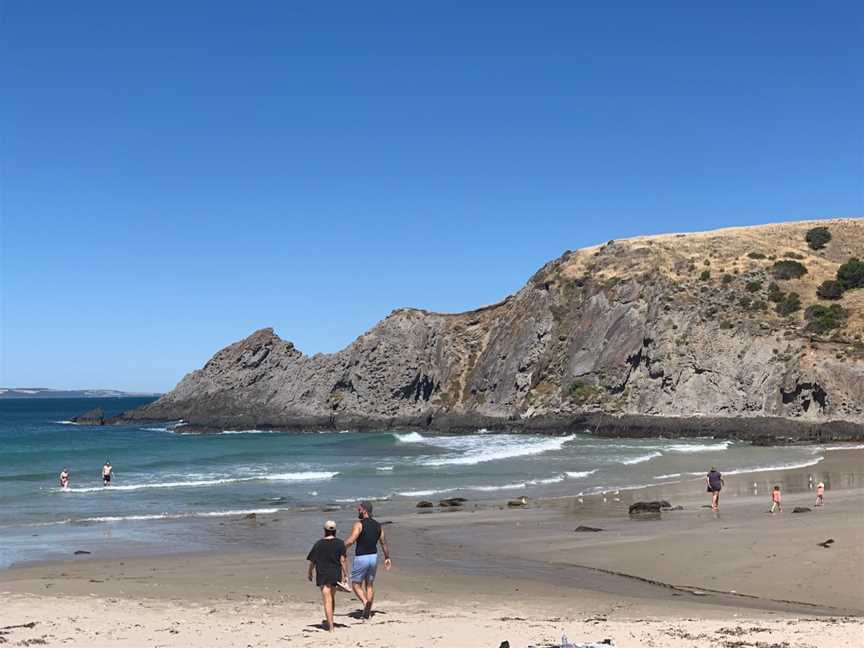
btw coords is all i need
(483, 575)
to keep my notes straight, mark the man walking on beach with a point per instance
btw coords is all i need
(327, 559)
(367, 534)
(715, 482)
(107, 470)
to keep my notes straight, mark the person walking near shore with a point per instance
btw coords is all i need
(64, 478)
(107, 471)
(775, 500)
(367, 534)
(820, 493)
(714, 481)
(327, 560)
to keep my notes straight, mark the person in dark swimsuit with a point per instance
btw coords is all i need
(714, 480)
(327, 560)
(367, 534)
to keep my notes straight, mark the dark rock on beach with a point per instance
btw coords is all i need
(81, 552)
(622, 339)
(424, 504)
(642, 508)
(522, 501)
(587, 529)
(452, 501)
(800, 509)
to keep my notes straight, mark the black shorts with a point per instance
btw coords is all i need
(327, 578)
(106, 478)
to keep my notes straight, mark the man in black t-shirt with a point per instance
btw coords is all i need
(327, 559)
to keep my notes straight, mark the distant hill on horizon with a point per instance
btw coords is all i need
(44, 392)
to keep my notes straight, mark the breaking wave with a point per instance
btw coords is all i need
(197, 483)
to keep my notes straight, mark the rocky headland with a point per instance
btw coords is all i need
(754, 333)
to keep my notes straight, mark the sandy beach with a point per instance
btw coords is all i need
(487, 573)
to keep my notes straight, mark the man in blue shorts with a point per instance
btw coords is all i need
(366, 534)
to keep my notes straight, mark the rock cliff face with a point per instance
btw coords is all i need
(665, 328)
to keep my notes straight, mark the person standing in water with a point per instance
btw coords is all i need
(327, 560)
(366, 534)
(107, 471)
(64, 478)
(715, 482)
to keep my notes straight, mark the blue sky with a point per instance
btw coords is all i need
(174, 176)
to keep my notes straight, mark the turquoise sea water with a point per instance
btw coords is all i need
(165, 474)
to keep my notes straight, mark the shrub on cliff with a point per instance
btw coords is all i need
(830, 289)
(705, 276)
(756, 255)
(580, 392)
(825, 318)
(754, 286)
(817, 238)
(774, 292)
(788, 269)
(851, 274)
(790, 303)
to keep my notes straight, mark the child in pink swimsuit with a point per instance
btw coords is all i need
(775, 500)
(820, 494)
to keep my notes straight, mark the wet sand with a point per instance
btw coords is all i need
(486, 573)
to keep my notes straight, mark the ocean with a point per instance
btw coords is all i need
(164, 474)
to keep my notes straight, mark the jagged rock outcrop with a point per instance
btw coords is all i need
(619, 336)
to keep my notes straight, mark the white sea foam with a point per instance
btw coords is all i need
(409, 437)
(671, 476)
(64, 422)
(385, 468)
(850, 446)
(172, 516)
(198, 483)
(494, 448)
(248, 432)
(806, 464)
(698, 447)
(641, 458)
(580, 474)
(485, 489)
(299, 476)
(156, 429)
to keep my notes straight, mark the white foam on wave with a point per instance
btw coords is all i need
(198, 483)
(469, 451)
(805, 464)
(484, 489)
(384, 468)
(64, 422)
(850, 446)
(641, 458)
(698, 447)
(248, 432)
(173, 516)
(156, 429)
(580, 474)
(409, 437)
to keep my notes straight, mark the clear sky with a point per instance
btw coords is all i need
(176, 175)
